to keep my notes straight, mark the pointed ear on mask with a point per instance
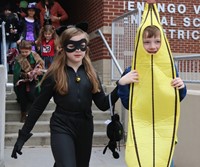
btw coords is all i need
(60, 29)
(83, 26)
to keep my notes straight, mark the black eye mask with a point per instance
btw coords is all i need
(75, 45)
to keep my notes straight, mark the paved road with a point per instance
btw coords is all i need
(42, 157)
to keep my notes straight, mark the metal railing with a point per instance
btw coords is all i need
(110, 51)
(188, 67)
(123, 39)
(2, 112)
(9, 86)
(4, 57)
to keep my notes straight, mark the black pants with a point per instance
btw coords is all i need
(24, 96)
(71, 140)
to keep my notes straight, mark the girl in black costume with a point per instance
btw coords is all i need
(73, 83)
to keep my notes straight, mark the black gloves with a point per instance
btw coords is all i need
(22, 138)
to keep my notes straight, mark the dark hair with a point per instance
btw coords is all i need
(51, 3)
(7, 6)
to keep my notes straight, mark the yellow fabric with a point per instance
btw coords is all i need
(154, 105)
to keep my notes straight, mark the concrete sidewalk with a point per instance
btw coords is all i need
(42, 157)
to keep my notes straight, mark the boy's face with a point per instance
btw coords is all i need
(152, 44)
(25, 52)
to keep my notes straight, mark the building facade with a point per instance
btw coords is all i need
(180, 19)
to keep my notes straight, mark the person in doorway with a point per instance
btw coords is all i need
(27, 73)
(49, 9)
(73, 83)
(151, 43)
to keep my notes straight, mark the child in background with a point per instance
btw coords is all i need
(27, 73)
(46, 44)
(30, 25)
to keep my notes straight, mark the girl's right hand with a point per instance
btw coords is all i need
(129, 78)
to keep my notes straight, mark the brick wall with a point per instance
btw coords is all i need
(100, 13)
(186, 45)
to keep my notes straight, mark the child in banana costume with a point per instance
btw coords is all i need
(152, 90)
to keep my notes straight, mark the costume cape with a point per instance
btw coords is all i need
(154, 105)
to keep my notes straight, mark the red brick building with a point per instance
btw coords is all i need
(181, 20)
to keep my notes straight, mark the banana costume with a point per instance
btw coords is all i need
(154, 105)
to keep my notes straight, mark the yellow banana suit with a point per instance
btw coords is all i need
(154, 106)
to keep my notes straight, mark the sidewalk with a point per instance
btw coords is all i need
(42, 157)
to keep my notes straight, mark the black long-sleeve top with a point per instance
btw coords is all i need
(78, 99)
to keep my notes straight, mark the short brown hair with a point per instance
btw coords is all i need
(25, 45)
(151, 31)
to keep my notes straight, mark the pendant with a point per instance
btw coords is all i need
(78, 79)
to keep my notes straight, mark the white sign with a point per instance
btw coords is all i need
(171, 22)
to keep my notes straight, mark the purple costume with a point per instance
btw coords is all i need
(30, 30)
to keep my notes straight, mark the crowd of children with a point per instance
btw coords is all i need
(24, 20)
(30, 44)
